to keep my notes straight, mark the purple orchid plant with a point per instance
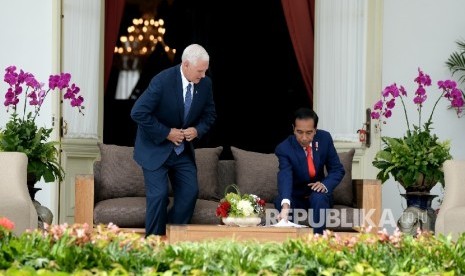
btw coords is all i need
(415, 160)
(21, 132)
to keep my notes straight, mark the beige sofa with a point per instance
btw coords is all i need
(115, 192)
(15, 202)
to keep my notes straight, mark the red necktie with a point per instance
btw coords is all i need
(311, 166)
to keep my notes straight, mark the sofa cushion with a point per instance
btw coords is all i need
(256, 173)
(129, 212)
(226, 176)
(343, 194)
(126, 212)
(120, 175)
(207, 171)
(205, 212)
(344, 219)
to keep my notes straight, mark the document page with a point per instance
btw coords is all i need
(286, 223)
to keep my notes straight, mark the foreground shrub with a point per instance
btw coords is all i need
(65, 250)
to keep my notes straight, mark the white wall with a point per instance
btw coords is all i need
(421, 33)
(26, 29)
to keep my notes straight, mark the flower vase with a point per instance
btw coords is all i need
(418, 213)
(242, 221)
(31, 182)
(44, 214)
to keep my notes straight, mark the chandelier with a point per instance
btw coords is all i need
(141, 40)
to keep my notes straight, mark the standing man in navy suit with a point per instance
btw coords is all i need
(302, 183)
(176, 108)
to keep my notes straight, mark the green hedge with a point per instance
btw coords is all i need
(75, 250)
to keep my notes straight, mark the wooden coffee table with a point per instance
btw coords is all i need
(198, 232)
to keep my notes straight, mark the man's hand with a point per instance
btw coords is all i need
(318, 187)
(176, 136)
(190, 133)
(284, 212)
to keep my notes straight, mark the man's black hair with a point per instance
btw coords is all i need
(306, 113)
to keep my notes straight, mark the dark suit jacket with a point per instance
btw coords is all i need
(293, 175)
(161, 107)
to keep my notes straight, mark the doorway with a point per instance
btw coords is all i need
(256, 80)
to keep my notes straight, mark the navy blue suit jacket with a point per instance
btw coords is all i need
(293, 175)
(161, 107)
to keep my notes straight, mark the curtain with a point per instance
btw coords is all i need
(113, 13)
(340, 66)
(127, 80)
(300, 19)
(81, 58)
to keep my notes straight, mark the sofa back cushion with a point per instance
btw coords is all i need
(343, 194)
(97, 180)
(120, 176)
(206, 160)
(256, 173)
(226, 177)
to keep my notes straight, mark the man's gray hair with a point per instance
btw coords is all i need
(194, 53)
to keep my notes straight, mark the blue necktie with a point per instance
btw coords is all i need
(187, 106)
(187, 101)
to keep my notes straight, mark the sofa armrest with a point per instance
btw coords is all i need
(84, 199)
(368, 198)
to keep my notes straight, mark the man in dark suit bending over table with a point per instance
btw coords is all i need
(176, 108)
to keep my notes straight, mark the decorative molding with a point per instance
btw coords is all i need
(78, 157)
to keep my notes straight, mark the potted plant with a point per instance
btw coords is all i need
(240, 210)
(21, 132)
(414, 160)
